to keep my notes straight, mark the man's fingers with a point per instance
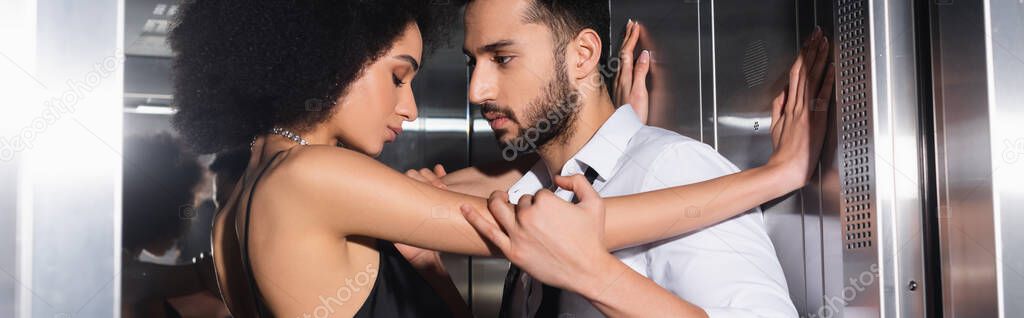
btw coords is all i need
(579, 185)
(525, 201)
(486, 229)
(428, 174)
(502, 211)
(439, 171)
(415, 175)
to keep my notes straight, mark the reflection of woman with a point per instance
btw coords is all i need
(310, 230)
(160, 181)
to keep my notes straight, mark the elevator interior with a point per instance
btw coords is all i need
(915, 210)
(865, 237)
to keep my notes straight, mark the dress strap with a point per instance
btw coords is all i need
(261, 308)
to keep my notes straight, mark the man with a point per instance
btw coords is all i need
(538, 69)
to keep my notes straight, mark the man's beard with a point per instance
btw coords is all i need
(549, 119)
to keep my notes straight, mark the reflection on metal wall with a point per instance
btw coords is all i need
(61, 137)
(673, 37)
(1006, 56)
(978, 110)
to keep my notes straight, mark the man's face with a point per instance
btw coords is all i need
(519, 80)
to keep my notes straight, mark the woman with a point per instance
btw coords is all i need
(311, 228)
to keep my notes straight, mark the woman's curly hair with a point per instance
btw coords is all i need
(160, 179)
(244, 66)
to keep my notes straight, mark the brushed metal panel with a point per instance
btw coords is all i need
(964, 160)
(1006, 29)
(9, 285)
(978, 111)
(881, 203)
(897, 170)
(754, 46)
(673, 36)
(755, 43)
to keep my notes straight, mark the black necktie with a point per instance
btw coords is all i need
(549, 303)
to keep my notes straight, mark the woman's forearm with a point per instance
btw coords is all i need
(618, 291)
(652, 216)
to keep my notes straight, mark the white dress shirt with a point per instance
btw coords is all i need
(729, 269)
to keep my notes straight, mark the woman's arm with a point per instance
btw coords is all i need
(355, 195)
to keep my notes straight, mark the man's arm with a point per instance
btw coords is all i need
(629, 294)
(567, 251)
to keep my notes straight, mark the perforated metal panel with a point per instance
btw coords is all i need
(755, 63)
(855, 124)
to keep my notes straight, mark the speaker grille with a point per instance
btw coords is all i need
(855, 124)
(755, 63)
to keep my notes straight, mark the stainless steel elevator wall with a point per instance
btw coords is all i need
(978, 62)
(717, 65)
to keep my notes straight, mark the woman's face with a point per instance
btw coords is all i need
(371, 113)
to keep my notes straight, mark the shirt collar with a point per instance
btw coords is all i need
(604, 150)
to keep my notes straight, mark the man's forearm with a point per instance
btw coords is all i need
(618, 291)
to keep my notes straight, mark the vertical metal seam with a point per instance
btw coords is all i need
(700, 73)
(993, 149)
(714, 76)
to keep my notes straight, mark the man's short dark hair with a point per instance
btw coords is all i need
(567, 18)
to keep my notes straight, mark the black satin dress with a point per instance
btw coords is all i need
(398, 291)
